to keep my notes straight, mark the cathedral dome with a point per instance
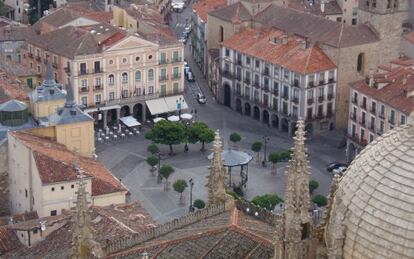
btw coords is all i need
(373, 209)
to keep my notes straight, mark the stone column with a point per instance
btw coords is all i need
(290, 130)
(118, 115)
(144, 113)
(105, 118)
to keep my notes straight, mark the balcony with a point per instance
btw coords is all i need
(98, 70)
(256, 99)
(276, 92)
(55, 65)
(84, 89)
(321, 98)
(247, 81)
(284, 112)
(83, 72)
(39, 59)
(381, 115)
(311, 84)
(227, 74)
(353, 116)
(391, 120)
(239, 62)
(238, 77)
(373, 111)
(30, 55)
(295, 100)
(319, 116)
(163, 61)
(98, 87)
(285, 97)
(362, 122)
(67, 70)
(310, 101)
(361, 141)
(372, 127)
(176, 76)
(330, 97)
(321, 82)
(266, 89)
(256, 84)
(364, 105)
(296, 82)
(163, 78)
(310, 118)
(266, 72)
(331, 80)
(177, 59)
(380, 131)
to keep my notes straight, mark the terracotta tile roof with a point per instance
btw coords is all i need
(15, 33)
(11, 88)
(409, 36)
(85, 9)
(316, 28)
(8, 240)
(54, 162)
(16, 69)
(201, 8)
(292, 55)
(390, 88)
(330, 8)
(106, 223)
(19, 218)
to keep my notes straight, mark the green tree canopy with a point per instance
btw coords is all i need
(199, 204)
(152, 148)
(199, 131)
(267, 201)
(235, 137)
(165, 172)
(179, 186)
(152, 161)
(320, 200)
(167, 133)
(313, 185)
(257, 146)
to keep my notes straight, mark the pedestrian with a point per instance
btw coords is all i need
(185, 147)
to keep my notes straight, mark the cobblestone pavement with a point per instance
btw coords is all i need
(126, 158)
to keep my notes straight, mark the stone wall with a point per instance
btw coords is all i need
(4, 179)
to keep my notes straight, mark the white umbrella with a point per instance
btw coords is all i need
(158, 119)
(186, 116)
(173, 118)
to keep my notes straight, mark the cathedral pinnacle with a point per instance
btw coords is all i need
(216, 179)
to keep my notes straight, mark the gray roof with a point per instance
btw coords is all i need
(13, 106)
(57, 18)
(15, 33)
(307, 25)
(49, 90)
(233, 157)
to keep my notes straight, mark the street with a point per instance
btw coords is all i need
(126, 158)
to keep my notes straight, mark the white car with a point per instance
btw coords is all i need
(340, 170)
(187, 28)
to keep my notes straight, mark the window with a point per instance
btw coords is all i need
(83, 68)
(25, 191)
(124, 78)
(310, 94)
(111, 62)
(138, 91)
(402, 119)
(38, 69)
(163, 58)
(111, 80)
(176, 88)
(362, 134)
(339, 19)
(373, 107)
(53, 213)
(98, 99)
(371, 137)
(286, 75)
(329, 111)
(54, 60)
(248, 61)
(84, 100)
(150, 57)
(38, 53)
(392, 116)
(124, 93)
(221, 34)
(382, 112)
(163, 73)
(285, 92)
(98, 81)
(257, 64)
(150, 74)
(320, 111)
(276, 71)
(138, 76)
(163, 91)
(62, 187)
(84, 83)
(175, 56)
(227, 53)
(137, 59)
(124, 60)
(175, 72)
(309, 113)
(360, 63)
(321, 92)
(111, 96)
(382, 126)
(354, 21)
(52, 189)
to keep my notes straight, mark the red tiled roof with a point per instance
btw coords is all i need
(8, 239)
(54, 162)
(292, 55)
(204, 6)
(19, 217)
(394, 91)
(410, 37)
(11, 89)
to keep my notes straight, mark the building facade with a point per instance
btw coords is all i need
(287, 80)
(378, 104)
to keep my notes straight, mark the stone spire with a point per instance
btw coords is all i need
(297, 219)
(49, 77)
(70, 100)
(81, 239)
(216, 179)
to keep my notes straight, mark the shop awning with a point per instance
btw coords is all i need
(103, 108)
(166, 104)
(130, 121)
(173, 104)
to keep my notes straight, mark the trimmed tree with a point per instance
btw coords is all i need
(274, 158)
(152, 161)
(152, 148)
(165, 172)
(256, 147)
(267, 201)
(313, 185)
(235, 138)
(320, 200)
(179, 186)
(199, 204)
(199, 131)
(167, 133)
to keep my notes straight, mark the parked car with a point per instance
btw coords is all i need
(187, 28)
(186, 70)
(182, 40)
(335, 165)
(201, 99)
(340, 170)
(190, 77)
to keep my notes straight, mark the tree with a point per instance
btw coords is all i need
(199, 204)
(199, 131)
(152, 148)
(152, 161)
(234, 138)
(320, 200)
(179, 186)
(313, 185)
(274, 158)
(167, 133)
(256, 147)
(165, 172)
(267, 201)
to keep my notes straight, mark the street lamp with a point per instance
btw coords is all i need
(191, 208)
(179, 102)
(265, 139)
(159, 178)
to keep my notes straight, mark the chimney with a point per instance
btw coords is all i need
(322, 6)
(284, 40)
(371, 78)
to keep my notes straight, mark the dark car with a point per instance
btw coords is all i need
(190, 76)
(335, 165)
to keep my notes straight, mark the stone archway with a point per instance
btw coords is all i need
(309, 129)
(256, 113)
(351, 152)
(266, 117)
(238, 105)
(247, 109)
(138, 111)
(227, 95)
(275, 121)
(125, 111)
(111, 116)
(285, 125)
(293, 125)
